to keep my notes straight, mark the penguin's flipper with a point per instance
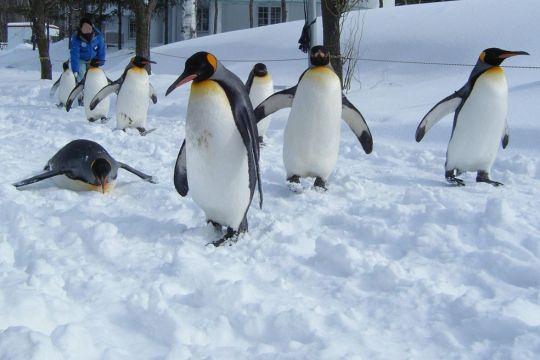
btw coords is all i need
(444, 107)
(506, 137)
(55, 87)
(140, 174)
(357, 123)
(103, 93)
(280, 100)
(249, 81)
(40, 177)
(74, 95)
(180, 172)
(152, 93)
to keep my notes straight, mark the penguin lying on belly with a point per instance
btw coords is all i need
(83, 165)
(312, 133)
(479, 108)
(219, 159)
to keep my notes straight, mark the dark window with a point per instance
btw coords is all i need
(269, 15)
(203, 14)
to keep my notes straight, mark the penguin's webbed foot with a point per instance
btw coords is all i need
(293, 183)
(319, 185)
(105, 119)
(230, 238)
(261, 142)
(60, 105)
(483, 176)
(92, 120)
(452, 179)
(217, 226)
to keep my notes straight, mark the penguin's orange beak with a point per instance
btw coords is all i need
(508, 54)
(184, 78)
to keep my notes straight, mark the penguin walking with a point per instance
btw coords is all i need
(479, 108)
(133, 89)
(94, 80)
(219, 159)
(64, 85)
(312, 133)
(260, 86)
(83, 165)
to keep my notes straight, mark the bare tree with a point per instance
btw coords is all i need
(189, 23)
(216, 10)
(39, 10)
(143, 10)
(332, 13)
(283, 11)
(250, 13)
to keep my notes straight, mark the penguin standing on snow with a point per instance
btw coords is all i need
(219, 159)
(94, 80)
(312, 134)
(133, 89)
(260, 86)
(479, 109)
(64, 85)
(83, 165)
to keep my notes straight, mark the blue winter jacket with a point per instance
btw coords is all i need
(84, 50)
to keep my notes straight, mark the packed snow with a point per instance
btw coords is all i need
(390, 263)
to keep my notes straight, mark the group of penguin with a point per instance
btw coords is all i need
(218, 162)
(95, 87)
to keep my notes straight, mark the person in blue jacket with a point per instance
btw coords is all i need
(86, 44)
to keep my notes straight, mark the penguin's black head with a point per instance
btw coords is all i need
(495, 56)
(96, 62)
(141, 61)
(319, 56)
(101, 168)
(200, 66)
(65, 65)
(260, 70)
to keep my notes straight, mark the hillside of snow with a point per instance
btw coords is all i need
(390, 263)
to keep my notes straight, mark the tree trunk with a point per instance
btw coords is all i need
(189, 25)
(216, 9)
(283, 11)
(381, 3)
(143, 18)
(120, 13)
(250, 13)
(38, 13)
(166, 22)
(331, 34)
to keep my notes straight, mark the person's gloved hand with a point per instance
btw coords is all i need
(76, 75)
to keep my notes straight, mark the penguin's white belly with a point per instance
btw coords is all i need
(312, 134)
(480, 124)
(133, 100)
(95, 81)
(64, 182)
(216, 158)
(261, 88)
(67, 83)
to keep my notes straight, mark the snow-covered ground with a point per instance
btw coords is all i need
(390, 263)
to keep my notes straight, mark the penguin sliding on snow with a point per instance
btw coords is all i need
(83, 165)
(94, 80)
(260, 86)
(65, 84)
(479, 109)
(312, 134)
(133, 89)
(219, 159)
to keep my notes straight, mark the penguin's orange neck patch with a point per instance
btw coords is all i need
(138, 70)
(212, 61)
(496, 70)
(205, 86)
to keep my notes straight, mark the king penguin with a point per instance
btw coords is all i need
(83, 165)
(219, 159)
(260, 86)
(65, 84)
(94, 80)
(479, 108)
(312, 133)
(133, 89)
